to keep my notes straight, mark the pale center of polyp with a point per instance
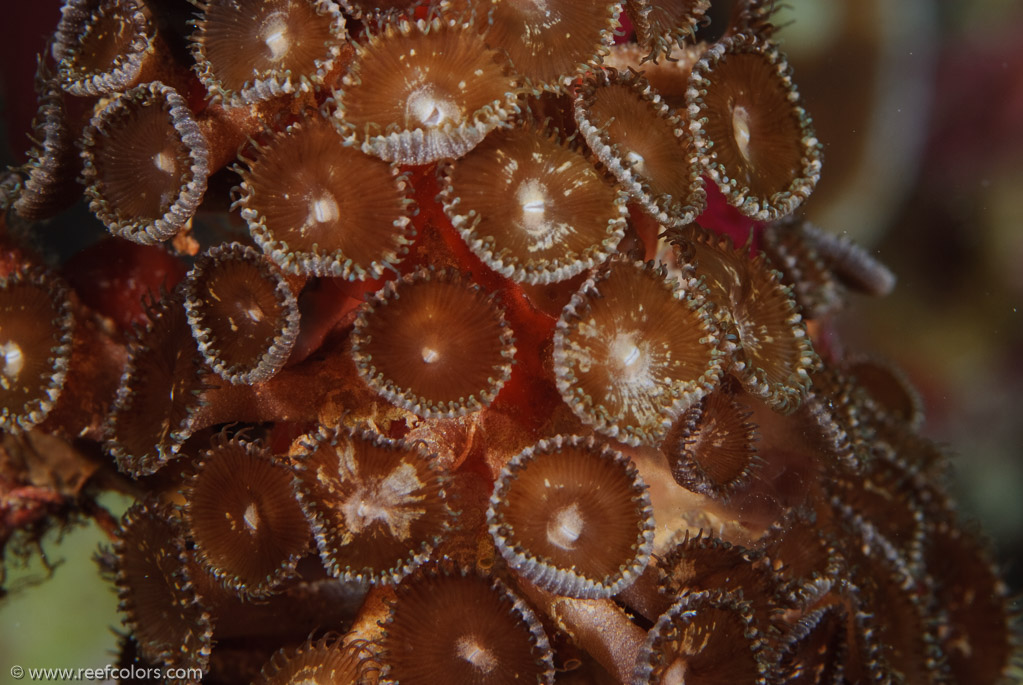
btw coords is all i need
(430, 108)
(251, 517)
(629, 357)
(323, 209)
(635, 160)
(676, 673)
(532, 198)
(740, 130)
(14, 360)
(430, 355)
(392, 502)
(254, 313)
(565, 527)
(469, 648)
(164, 161)
(275, 36)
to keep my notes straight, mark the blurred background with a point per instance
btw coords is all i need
(919, 105)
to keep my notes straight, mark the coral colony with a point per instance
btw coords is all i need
(457, 343)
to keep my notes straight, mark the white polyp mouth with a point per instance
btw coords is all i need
(565, 527)
(469, 648)
(275, 36)
(323, 209)
(635, 160)
(164, 161)
(429, 355)
(251, 517)
(14, 361)
(430, 108)
(533, 200)
(532, 197)
(394, 502)
(741, 131)
(629, 357)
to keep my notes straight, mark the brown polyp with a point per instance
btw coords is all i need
(147, 425)
(705, 638)
(712, 448)
(815, 288)
(318, 390)
(885, 506)
(752, 18)
(248, 52)
(103, 46)
(145, 163)
(460, 627)
(706, 563)
(803, 556)
(316, 206)
(95, 365)
(424, 91)
(243, 314)
(532, 207)
(305, 605)
(849, 407)
(244, 517)
(662, 25)
(814, 650)
(850, 264)
(128, 656)
(377, 8)
(872, 429)
(330, 659)
(45, 184)
(751, 135)
(643, 143)
(156, 591)
(573, 517)
(378, 507)
(599, 626)
(550, 41)
(889, 387)
(798, 453)
(36, 327)
(903, 611)
(668, 77)
(632, 351)
(821, 268)
(434, 344)
(772, 352)
(919, 455)
(865, 661)
(977, 634)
